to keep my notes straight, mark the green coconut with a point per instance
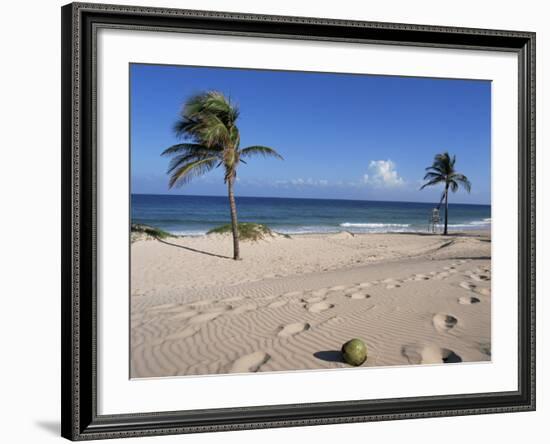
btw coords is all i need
(354, 352)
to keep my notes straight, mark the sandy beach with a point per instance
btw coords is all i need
(291, 302)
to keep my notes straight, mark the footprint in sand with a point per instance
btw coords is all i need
(365, 285)
(479, 277)
(292, 294)
(244, 308)
(313, 299)
(467, 300)
(184, 315)
(319, 307)
(330, 321)
(292, 329)
(204, 317)
(321, 292)
(358, 296)
(429, 354)
(338, 288)
(420, 277)
(277, 304)
(182, 334)
(467, 286)
(444, 322)
(164, 308)
(218, 309)
(484, 291)
(392, 286)
(485, 348)
(250, 363)
(200, 303)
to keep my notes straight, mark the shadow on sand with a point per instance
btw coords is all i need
(194, 250)
(474, 235)
(330, 356)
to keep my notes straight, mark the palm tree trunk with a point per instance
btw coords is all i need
(446, 208)
(234, 223)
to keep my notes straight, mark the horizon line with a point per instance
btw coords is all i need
(304, 198)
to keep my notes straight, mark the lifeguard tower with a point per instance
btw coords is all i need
(434, 221)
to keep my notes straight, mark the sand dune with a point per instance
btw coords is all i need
(413, 299)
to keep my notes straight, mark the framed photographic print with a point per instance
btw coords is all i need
(281, 221)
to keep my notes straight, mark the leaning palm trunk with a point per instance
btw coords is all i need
(208, 122)
(443, 171)
(234, 222)
(446, 209)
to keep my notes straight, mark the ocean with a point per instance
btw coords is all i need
(195, 215)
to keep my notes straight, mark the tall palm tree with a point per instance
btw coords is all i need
(443, 171)
(208, 125)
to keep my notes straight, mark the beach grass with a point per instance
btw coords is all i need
(150, 231)
(248, 231)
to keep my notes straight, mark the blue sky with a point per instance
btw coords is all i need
(342, 136)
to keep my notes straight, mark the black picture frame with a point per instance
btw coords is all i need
(80, 420)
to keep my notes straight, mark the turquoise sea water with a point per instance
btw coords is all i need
(195, 215)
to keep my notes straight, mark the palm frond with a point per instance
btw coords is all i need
(431, 175)
(194, 105)
(211, 102)
(235, 136)
(207, 129)
(432, 182)
(222, 106)
(444, 163)
(436, 168)
(462, 180)
(207, 123)
(213, 131)
(183, 159)
(185, 173)
(187, 148)
(453, 186)
(443, 170)
(260, 150)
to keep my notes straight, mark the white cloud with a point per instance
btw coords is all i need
(300, 182)
(382, 173)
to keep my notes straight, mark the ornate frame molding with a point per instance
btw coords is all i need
(80, 22)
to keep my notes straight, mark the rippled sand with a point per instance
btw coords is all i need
(292, 302)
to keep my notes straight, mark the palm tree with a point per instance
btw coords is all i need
(207, 123)
(443, 171)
